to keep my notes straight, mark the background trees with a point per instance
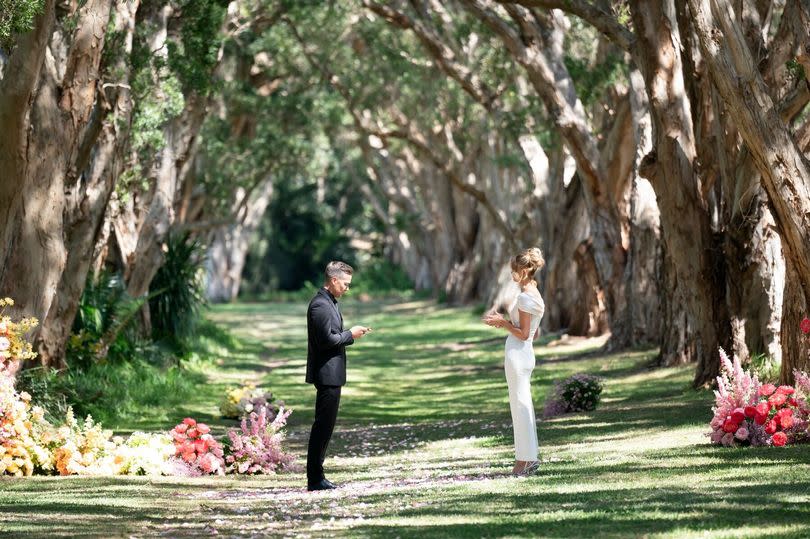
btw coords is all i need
(654, 150)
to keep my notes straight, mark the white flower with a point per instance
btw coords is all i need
(5, 344)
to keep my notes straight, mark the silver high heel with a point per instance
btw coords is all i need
(531, 468)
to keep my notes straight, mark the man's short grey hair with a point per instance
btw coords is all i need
(337, 269)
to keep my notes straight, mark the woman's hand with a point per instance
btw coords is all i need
(494, 319)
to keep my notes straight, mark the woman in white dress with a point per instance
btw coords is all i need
(525, 314)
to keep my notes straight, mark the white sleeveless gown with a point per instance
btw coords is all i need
(519, 364)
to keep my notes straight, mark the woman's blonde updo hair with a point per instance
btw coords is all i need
(528, 261)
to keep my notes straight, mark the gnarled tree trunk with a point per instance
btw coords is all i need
(50, 136)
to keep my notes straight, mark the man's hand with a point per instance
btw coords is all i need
(359, 331)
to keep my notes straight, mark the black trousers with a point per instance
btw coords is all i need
(327, 401)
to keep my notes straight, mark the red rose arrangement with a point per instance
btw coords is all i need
(777, 411)
(747, 412)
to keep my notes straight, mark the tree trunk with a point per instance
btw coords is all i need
(15, 104)
(55, 143)
(87, 200)
(785, 175)
(536, 48)
(229, 245)
(686, 225)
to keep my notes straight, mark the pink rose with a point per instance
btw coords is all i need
(192, 432)
(189, 421)
(784, 412)
(202, 428)
(728, 439)
(741, 434)
(182, 427)
(763, 408)
(199, 446)
(777, 400)
(771, 427)
(767, 390)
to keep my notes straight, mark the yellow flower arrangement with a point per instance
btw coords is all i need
(84, 449)
(13, 345)
(15, 431)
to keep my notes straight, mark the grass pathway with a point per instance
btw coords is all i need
(423, 448)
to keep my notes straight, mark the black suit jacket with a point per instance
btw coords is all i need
(326, 341)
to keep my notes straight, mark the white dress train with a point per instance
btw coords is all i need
(519, 364)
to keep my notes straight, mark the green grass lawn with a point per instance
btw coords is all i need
(423, 448)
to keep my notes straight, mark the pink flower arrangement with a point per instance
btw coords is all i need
(195, 446)
(256, 447)
(749, 413)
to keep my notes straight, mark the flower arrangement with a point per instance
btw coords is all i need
(31, 444)
(241, 401)
(255, 447)
(196, 447)
(13, 346)
(84, 448)
(15, 436)
(145, 453)
(578, 393)
(747, 412)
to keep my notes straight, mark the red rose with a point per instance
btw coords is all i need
(805, 325)
(750, 411)
(785, 390)
(771, 427)
(777, 400)
(730, 426)
(779, 439)
(763, 408)
(786, 421)
(793, 402)
(760, 419)
(738, 416)
(767, 390)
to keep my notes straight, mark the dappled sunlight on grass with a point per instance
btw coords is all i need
(423, 447)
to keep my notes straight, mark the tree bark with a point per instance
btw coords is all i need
(685, 223)
(50, 137)
(784, 171)
(87, 199)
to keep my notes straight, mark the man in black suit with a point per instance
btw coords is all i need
(326, 365)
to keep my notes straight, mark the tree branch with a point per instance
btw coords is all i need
(597, 17)
(443, 54)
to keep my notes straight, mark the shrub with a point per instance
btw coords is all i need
(177, 295)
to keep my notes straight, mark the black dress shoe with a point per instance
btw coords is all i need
(323, 484)
(328, 482)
